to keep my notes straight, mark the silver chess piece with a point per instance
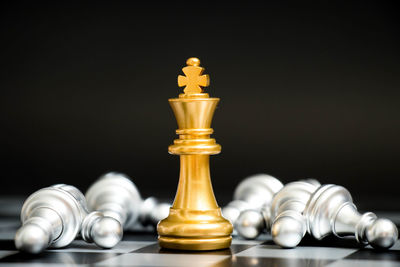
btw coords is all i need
(330, 210)
(53, 216)
(289, 225)
(253, 192)
(117, 196)
(293, 196)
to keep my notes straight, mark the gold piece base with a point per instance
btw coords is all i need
(195, 243)
(194, 230)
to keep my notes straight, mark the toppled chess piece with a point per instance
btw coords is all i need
(293, 196)
(53, 216)
(330, 210)
(116, 196)
(252, 193)
(289, 225)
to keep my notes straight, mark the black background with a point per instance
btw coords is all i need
(307, 90)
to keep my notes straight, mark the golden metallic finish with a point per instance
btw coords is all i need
(195, 221)
(194, 78)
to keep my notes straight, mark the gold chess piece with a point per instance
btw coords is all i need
(195, 221)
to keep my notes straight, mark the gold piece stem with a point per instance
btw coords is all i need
(195, 189)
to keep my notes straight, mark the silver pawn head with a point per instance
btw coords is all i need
(32, 239)
(382, 233)
(104, 231)
(250, 224)
(232, 211)
(107, 232)
(288, 229)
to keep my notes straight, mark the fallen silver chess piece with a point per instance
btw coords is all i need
(287, 212)
(53, 216)
(117, 196)
(292, 198)
(330, 210)
(252, 193)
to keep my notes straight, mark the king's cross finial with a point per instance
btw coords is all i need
(194, 79)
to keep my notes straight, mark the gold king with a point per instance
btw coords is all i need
(195, 221)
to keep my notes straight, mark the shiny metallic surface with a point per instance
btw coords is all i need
(252, 193)
(382, 233)
(289, 226)
(54, 215)
(250, 224)
(32, 238)
(151, 211)
(116, 196)
(323, 207)
(195, 221)
(293, 196)
(288, 229)
(257, 190)
(104, 231)
(233, 209)
(51, 215)
(160, 212)
(330, 210)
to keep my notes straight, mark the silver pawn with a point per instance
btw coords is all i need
(117, 196)
(251, 223)
(252, 193)
(330, 210)
(289, 225)
(53, 216)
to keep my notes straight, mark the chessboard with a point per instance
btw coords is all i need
(140, 248)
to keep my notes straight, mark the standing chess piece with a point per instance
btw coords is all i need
(251, 194)
(53, 217)
(195, 221)
(117, 196)
(330, 210)
(291, 199)
(289, 225)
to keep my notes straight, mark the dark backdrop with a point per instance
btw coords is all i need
(307, 90)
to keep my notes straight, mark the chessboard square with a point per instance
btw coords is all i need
(396, 246)
(237, 241)
(36, 264)
(363, 263)
(247, 242)
(375, 255)
(148, 259)
(155, 249)
(8, 244)
(5, 253)
(272, 251)
(260, 261)
(122, 247)
(68, 258)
